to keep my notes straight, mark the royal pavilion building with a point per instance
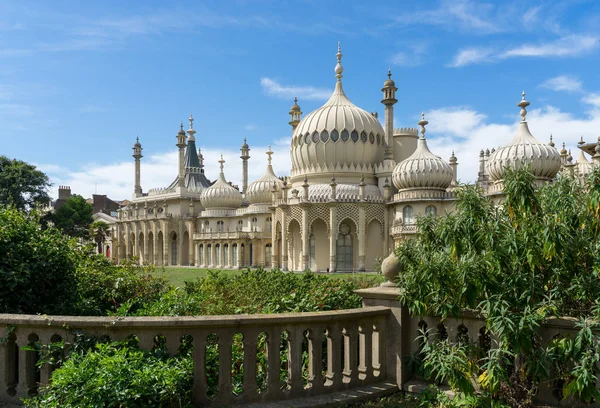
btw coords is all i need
(354, 190)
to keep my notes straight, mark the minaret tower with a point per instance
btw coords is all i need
(389, 99)
(295, 114)
(181, 145)
(245, 156)
(137, 155)
(191, 132)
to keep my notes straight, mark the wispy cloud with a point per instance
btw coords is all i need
(412, 56)
(565, 83)
(274, 88)
(250, 127)
(566, 46)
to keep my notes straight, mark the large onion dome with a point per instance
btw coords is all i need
(259, 191)
(339, 138)
(422, 169)
(221, 195)
(584, 166)
(524, 149)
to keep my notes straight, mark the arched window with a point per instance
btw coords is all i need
(371, 138)
(201, 255)
(226, 255)
(220, 226)
(344, 253)
(363, 136)
(240, 225)
(345, 135)
(354, 136)
(269, 224)
(313, 263)
(174, 250)
(315, 137)
(307, 138)
(268, 253)
(209, 254)
(234, 255)
(217, 254)
(407, 215)
(254, 223)
(431, 211)
(324, 136)
(206, 226)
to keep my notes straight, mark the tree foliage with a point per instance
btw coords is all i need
(22, 185)
(535, 257)
(74, 217)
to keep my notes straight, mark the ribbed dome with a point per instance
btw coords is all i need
(523, 150)
(259, 191)
(221, 195)
(338, 137)
(584, 167)
(422, 169)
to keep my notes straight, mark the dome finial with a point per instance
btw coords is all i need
(269, 153)
(389, 73)
(221, 163)
(137, 139)
(191, 119)
(581, 141)
(181, 126)
(338, 68)
(422, 123)
(523, 104)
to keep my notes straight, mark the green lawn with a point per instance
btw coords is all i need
(178, 274)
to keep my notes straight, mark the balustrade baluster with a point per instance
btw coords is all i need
(146, 340)
(315, 360)
(368, 350)
(5, 366)
(27, 384)
(273, 363)
(45, 369)
(379, 348)
(199, 355)
(350, 372)
(225, 384)
(334, 358)
(295, 380)
(173, 342)
(250, 386)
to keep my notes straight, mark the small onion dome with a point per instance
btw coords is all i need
(245, 145)
(221, 195)
(295, 107)
(389, 82)
(584, 167)
(563, 151)
(422, 169)
(524, 149)
(137, 143)
(259, 191)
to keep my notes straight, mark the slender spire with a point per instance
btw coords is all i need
(269, 153)
(191, 119)
(523, 104)
(221, 163)
(551, 143)
(191, 132)
(422, 123)
(389, 73)
(339, 68)
(581, 142)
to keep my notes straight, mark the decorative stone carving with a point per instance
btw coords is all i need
(391, 267)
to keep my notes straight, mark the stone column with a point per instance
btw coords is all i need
(196, 254)
(361, 238)
(386, 232)
(119, 239)
(305, 240)
(136, 240)
(239, 255)
(284, 249)
(127, 241)
(165, 226)
(333, 231)
(230, 255)
(191, 251)
(155, 242)
(146, 242)
(212, 254)
(180, 243)
(274, 241)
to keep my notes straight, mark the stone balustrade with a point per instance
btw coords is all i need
(212, 235)
(346, 350)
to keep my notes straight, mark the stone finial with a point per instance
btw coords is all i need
(423, 123)
(523, 104)
(390, 268)
(339, 69)
(191, 119)
(452, 158)
(563, 151)
(581, 142)
(551, 142)
(269, 154)
(221, 162)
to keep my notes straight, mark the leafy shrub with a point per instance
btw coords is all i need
(119, 374)
(37, 267)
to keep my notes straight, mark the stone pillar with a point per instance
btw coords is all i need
(196, 254)
(361, 233)
(239, 255)
(127, 241)
(180, 231)
(398, 337)
(136, 240)
(274, 240)
(204, 253)
(155, 242)
(284, 252)
(118, 247)
(230, 255)
(191, 251)
(146, 242)
(166, 239)
(386, 232)
(305, 240)
(212, 255)
(333, 231)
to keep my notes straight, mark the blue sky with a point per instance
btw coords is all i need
(80, 80)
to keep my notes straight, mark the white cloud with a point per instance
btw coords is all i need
(411, 57)
(563, 83)
(566, 46)
(250, 127)
(274, 88)
(472, 55)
